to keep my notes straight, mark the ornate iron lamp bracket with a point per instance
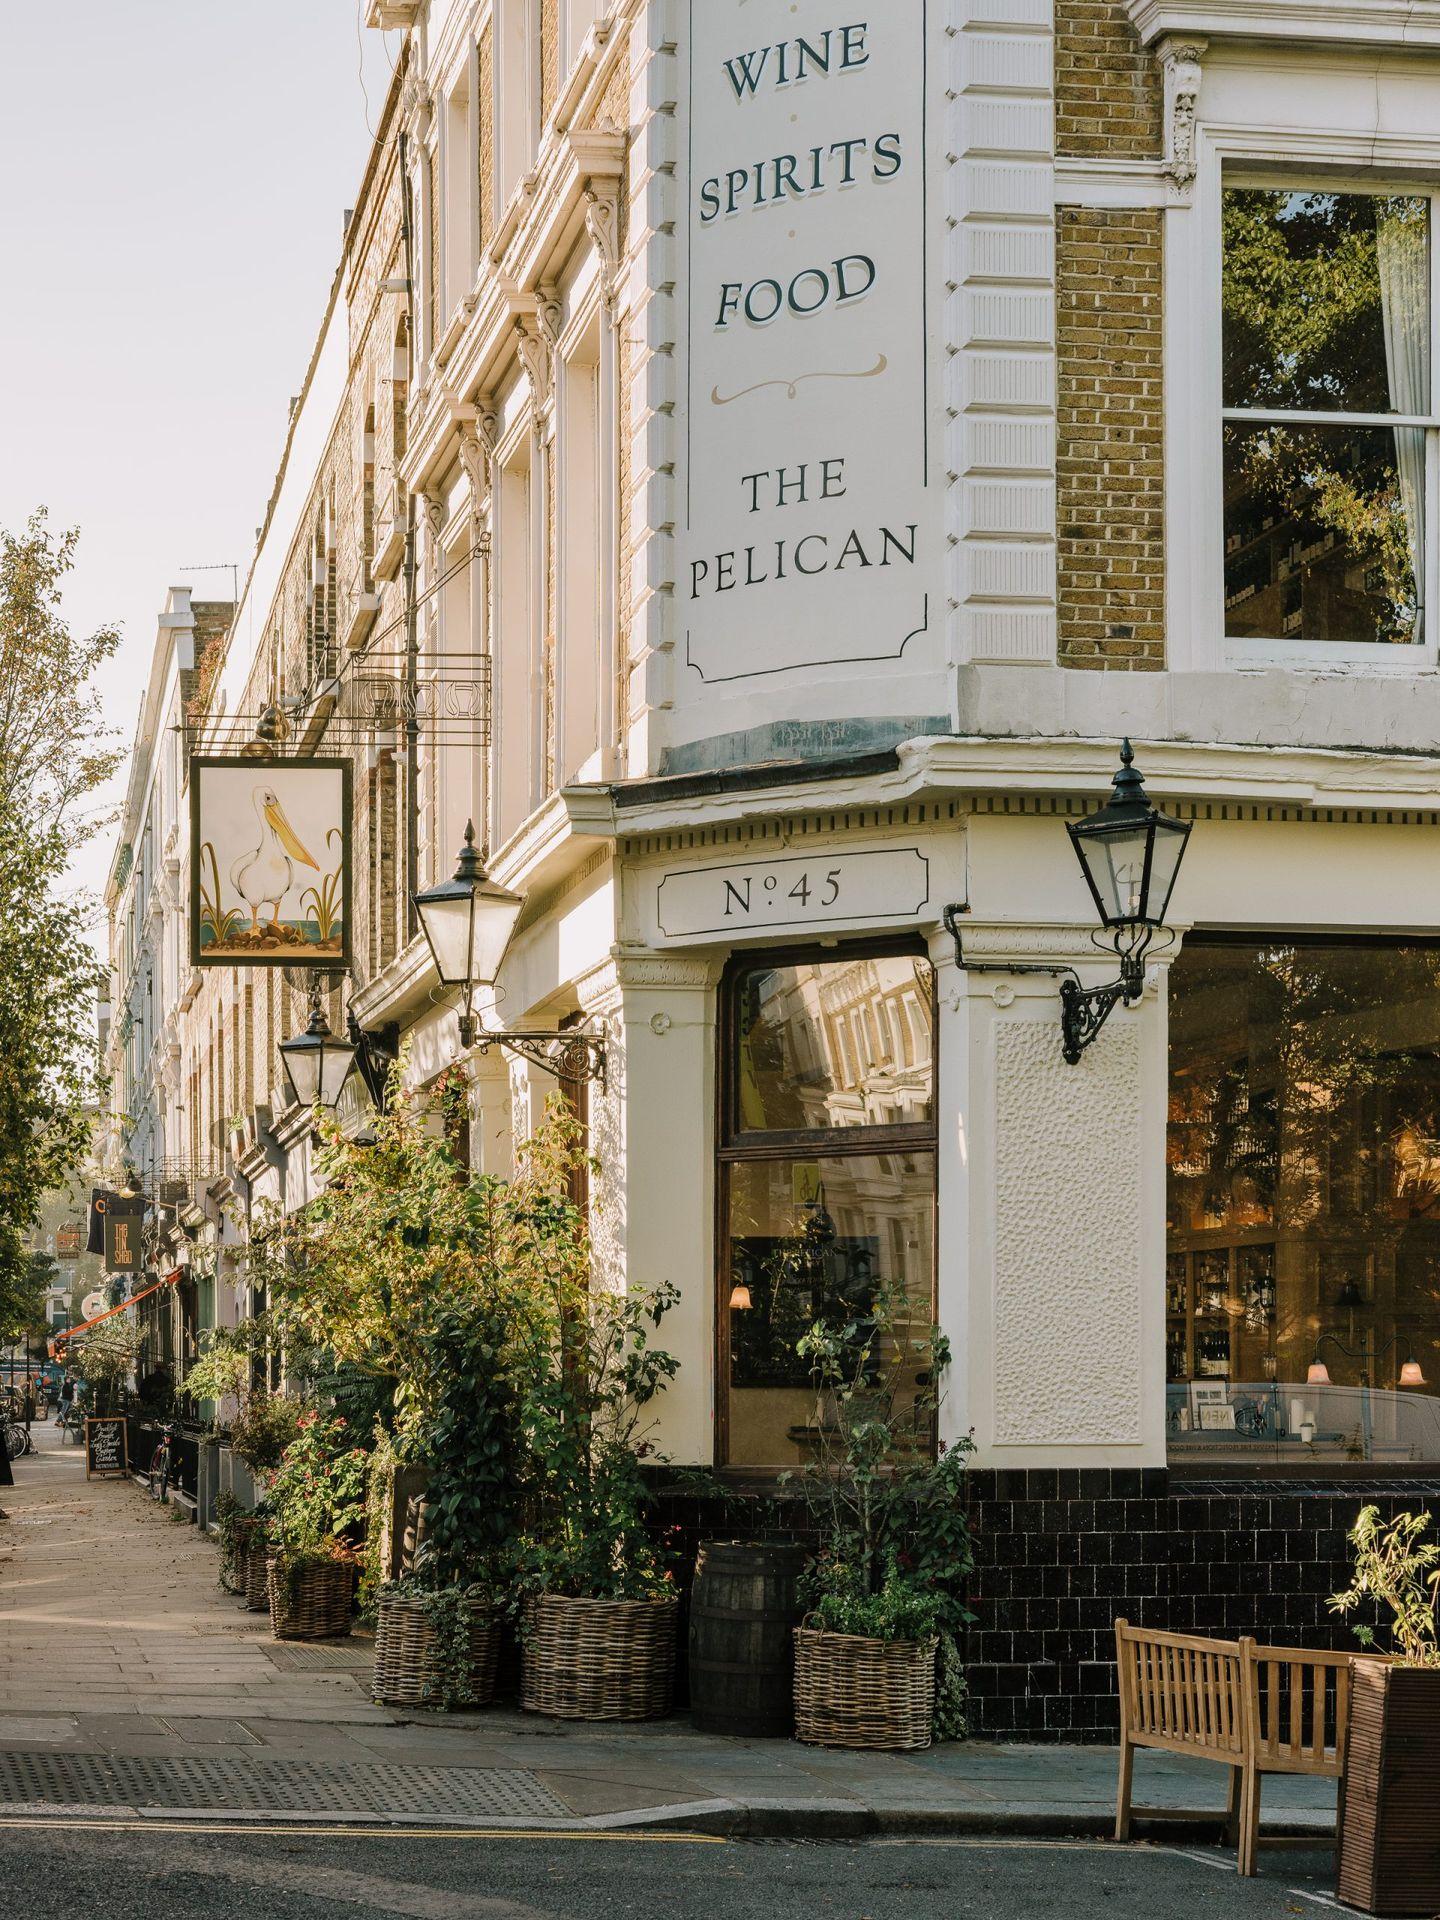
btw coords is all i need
(574, 1055)
(1083, 1010)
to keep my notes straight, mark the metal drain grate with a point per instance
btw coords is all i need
(348, 1659)
(253, 1785)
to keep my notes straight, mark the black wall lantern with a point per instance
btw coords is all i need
(468, 922)
(1130, 854)
(317, 1062)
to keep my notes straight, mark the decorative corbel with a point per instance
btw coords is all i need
(475, 452)
(602, 223)
(534, 350)
(1181, 59)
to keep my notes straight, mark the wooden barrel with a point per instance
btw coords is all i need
(743, 1612)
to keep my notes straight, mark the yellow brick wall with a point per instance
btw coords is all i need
(1110, 478)
(549, 58)
(1109, 96)
(487, 134)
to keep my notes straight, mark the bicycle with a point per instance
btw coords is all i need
(17, 1440)
(162, 1461)
(72, 1424)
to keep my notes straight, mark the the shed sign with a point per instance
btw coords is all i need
(810, 518)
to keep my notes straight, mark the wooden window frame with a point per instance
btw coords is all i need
(735, 1147)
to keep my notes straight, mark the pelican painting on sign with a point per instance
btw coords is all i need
(269, 862)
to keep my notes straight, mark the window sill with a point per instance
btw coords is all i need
(1311, 656)
(1369, 23)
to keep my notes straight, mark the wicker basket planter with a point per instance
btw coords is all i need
(312, 1602)
(853, 1692)
(599, 1659)
(406, 1674)
(237, 1536)
(1390, 1790)
(254, 1573)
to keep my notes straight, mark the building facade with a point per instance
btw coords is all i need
(772, 463)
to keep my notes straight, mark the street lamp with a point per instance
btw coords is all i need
(1130, 854)
(468, 923)
(317, 1062)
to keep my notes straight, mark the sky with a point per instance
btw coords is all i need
(175, 175)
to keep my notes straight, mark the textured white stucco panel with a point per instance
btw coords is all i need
(1067, 1279)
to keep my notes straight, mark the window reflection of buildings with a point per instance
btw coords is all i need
(1304, 1167)
(856, 1041)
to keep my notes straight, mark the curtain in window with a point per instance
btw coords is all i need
(1402, 250)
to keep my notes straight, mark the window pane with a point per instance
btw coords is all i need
(814, 1240)
(1304, 1203)
(818, 1045)
(1324, 532)
(1326, 301)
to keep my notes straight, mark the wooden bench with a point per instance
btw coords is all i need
(1253, 1709)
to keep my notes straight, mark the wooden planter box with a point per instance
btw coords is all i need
(854, 1692)
(312, 1604)
(1390, 1796)
(599, 1659)
(405, 1673)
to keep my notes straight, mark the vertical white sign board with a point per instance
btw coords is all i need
(811, 527)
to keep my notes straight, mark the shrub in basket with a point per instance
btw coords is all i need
(1390, 1790)
(316, 1502)
(599, 1599)
(877, 1660)
(437, 1632)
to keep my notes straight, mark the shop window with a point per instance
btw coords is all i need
(1329, 420)
(827, 1177)
(1302, 1285)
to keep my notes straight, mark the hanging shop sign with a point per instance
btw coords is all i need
(107, 1455)
(270, 865)
(123, 1251)
(811, 517)
(791, 892)
(116, 1221)
(92, 1304)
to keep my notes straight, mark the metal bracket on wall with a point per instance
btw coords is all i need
(1083, 1010)
(569, 1056)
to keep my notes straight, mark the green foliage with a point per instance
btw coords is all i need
(472, 1502)
(104, 1357)
(222, 1371)
(448, 1611)
(522, 1391)
(316, 1497)
(263, 1429)
(1395, 1569)
(53, 754)
(890, 1507)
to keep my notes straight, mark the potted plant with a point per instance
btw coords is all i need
(877, 1659)
(599, 1620)
(316, 1500)
(437, 1630)
(1390, 1790)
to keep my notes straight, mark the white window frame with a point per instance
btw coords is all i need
(1195, 411)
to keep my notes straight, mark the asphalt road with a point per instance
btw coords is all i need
(137, 1873)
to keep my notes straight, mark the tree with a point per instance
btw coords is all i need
(54, 748)
(54, 753)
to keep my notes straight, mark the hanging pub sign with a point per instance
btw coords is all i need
(269, 862)
(106, 1452)
(123, 1236)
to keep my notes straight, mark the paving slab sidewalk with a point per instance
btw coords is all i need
(118, 1654)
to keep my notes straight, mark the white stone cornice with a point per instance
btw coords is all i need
(1366, 23)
